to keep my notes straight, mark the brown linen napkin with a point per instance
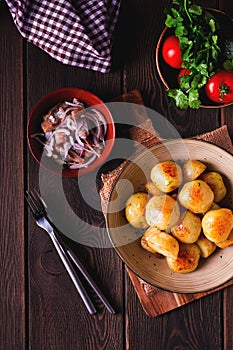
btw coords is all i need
(156, 301)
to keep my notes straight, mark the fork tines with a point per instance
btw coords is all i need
(35, 203)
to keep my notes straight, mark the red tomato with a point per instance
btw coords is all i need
(183, 71)
(220, 87)
(171, 52)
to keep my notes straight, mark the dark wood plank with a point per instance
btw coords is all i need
(12, 308)
(58, 317)
(55, 75)
(188, 327)
(227, 318)
(226, 6)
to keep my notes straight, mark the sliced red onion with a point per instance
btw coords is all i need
(49, 150)
(51, 142)
(66, 148)
(48, 135)
(38, 134)
(82, 165)
(91, 149)
(71, 140)
(70, 124)
(60, 130)
(74, 103)
(78, 139)
(83, 134)
(100, 118)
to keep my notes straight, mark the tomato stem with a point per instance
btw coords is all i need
(224, 90)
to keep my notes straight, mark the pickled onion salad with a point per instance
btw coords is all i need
(73, 135)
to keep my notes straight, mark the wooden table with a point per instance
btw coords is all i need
(39, 307)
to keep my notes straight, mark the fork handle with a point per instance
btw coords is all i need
(90, 281)
(69, 268)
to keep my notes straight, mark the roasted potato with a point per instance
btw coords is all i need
(144, 239)
(196, 196)
(135, 210)
(217, 224)
(162, 212)
(161, 242)
(153, 189)
(187, 259)
(167, 176)
(192, 169)
(206, 246)
(227, 242)
(215, 181)
(176, 232)
(188, 228)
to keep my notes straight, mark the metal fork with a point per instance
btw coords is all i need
(41, 220)
(38, 208)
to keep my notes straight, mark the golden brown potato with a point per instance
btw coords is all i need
(206, 246)
(167, 176)
(217, 224)
(188, 228)
(187, 259)
(196, 196)
(135, 210)
(227, 243)
(162, 212)
(161, 242)
(153, 189)
(215, 181)
(146, 236)
(192, 169)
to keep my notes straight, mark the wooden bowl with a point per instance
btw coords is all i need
(211, 272)
(44, 105)
(169, 75)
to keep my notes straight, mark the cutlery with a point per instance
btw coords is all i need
(38, 208)
(39, 215)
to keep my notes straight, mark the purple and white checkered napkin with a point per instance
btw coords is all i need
(75, 32)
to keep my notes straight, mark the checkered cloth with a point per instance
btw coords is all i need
(75, 32)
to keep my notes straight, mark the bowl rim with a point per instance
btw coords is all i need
(126, 165)
(71, 173)
(158, 65)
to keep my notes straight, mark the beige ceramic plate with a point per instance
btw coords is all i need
(211, 272)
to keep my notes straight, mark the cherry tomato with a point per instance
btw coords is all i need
(220, 87)
(183, 71)
(171, 52)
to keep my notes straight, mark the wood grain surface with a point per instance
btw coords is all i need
(12, 240)
(40, 308)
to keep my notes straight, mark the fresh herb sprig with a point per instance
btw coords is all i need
(196, 30)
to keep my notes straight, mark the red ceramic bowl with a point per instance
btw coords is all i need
(44, 105)
(169, 75)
